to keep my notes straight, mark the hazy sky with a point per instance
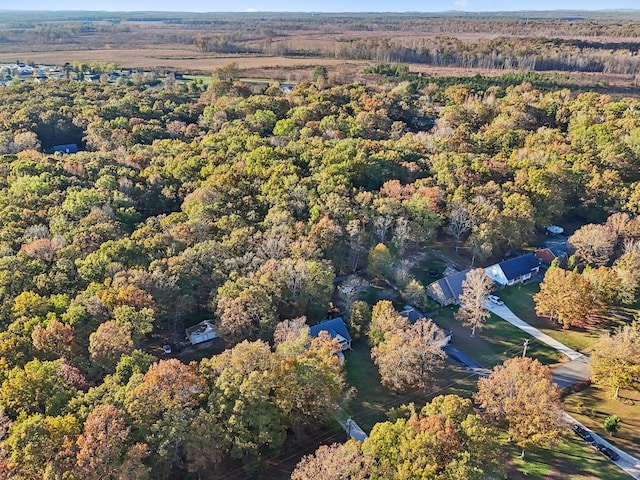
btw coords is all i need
(318, 6)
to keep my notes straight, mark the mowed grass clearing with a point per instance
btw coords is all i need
(598, 404)
(520, 300)
(571, 459)
(496, 342)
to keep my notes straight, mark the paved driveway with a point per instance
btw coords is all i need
(566, 375)
(506, 314)
(466, 361)
(572, 372)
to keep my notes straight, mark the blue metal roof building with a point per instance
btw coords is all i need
(515, 270)
(68, 148)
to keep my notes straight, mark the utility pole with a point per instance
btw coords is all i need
(526, 345)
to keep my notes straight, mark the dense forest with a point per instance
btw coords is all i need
(242, 202)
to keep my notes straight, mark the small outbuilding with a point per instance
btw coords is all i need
(68, 148)
(203, 331)
(548, 255)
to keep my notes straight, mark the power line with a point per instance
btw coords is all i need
(321, 438)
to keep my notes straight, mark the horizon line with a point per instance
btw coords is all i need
(606, 10)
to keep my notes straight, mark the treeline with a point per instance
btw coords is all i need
(573, 24)
(605, 43)
(501, 53)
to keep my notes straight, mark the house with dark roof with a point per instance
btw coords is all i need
(447, 290)
(413, 315)
(515, 270)
(336, 328)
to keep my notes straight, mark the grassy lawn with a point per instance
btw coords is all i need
(572, 459)
(520, 300)
(598, 405)
(206, 79)
(422, 269)
(496, 342)
(372, 401)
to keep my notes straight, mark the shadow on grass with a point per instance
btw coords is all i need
(571, 459)
(372, 400)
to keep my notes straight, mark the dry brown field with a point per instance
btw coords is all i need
(179, 57)
(188, 59)
(164, 45)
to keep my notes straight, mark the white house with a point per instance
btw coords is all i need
(201, 332)
(515, 270)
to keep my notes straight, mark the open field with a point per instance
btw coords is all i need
(188, 59)
(289, 46)
(592, 405)
(180, 58)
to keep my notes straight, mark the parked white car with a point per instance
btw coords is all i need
(495, 299)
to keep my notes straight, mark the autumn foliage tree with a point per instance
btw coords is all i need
(162, 407)
(615, 361)
(593, 244)
(408, 357)
(55, 339)
(106, 450)
(43, 446)
(384, 318)
(359, 318)
(520, 395)
(446, 439)
(332, 462)
(567, 298)
(475, 288)
(108, 343)
(308, 382)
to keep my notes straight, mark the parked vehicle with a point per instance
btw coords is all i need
(584, 434)
(495, 299)
(607, 452)
(167, 349)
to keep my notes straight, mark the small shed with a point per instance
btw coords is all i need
(203, 331)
